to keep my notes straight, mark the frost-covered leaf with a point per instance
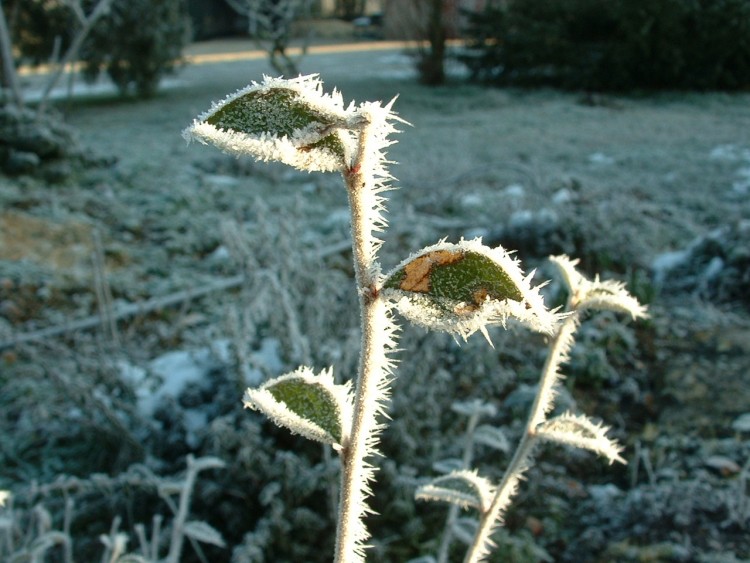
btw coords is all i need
(602, 295)
(307, 404)
(290, 121)
(463, 488)
(493, 437)
(582, 432)
(462, 288)
(203, 532)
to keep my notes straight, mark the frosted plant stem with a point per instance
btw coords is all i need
(178, 525)
(558, 352)
(373, 366)
(453, 511)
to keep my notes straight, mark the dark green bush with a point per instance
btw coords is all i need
(615, 45)
(137, 43)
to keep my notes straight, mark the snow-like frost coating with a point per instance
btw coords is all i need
(464, 319)
(263, 400)
(582, 432)
(464, 488)
(606, 295)
(298, 149)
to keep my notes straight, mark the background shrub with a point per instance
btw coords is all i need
(136, 43)
(618, 45)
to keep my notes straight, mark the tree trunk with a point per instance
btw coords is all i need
(432, 64)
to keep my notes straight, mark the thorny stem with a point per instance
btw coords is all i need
(520, 463)
(356, 472)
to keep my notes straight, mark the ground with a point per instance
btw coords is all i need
(649, 189)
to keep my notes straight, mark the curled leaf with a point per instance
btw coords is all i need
(462, 288)
(290, 121)
(602, 295)
(463, 488)
(580, 431)
(307, 404)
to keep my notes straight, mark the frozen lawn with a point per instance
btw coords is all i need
(631, 185)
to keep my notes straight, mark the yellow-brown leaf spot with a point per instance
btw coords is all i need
(478, 297)
(417, 272)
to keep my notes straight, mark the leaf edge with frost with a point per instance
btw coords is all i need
(469, 317)
(436, 491)
(263, 400)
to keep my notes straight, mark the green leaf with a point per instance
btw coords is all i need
(580, 431)
(290, 121)
(277, 111)
(463, 488)
(305, 403)
(310, 401)
(493, 437)
(463, 288)
(455, 275)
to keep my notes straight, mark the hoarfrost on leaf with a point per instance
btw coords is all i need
(580, 431)
(601, 295)
(290, 121)
(463, 488)
(463, 288)
(493, 437)
(204, 532)
(307, 404)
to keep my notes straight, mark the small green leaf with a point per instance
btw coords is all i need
(277, 111)
(457, 275)
(310, 401)
(307, 404)
(203, 532)
(463, 288)
(463, 488)
(290, 121)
